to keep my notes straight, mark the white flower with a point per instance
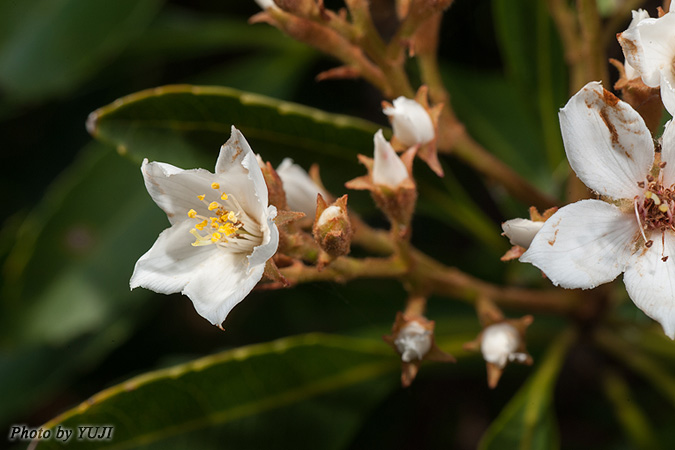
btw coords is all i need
(591, 242)
(300, 189)
(649, 47)
(499, 344)
(413, 342)
(222, 231)
(388, 169)
(521, 231)
(411, 122)
(638, 16)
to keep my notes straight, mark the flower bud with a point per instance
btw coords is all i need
(332, 227)
(264, 4)
(521, 231)
(500, 344)
(413, 342)
(411, 122)
(301, 190)
(388, 169)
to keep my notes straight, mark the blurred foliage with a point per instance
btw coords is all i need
(77, 216)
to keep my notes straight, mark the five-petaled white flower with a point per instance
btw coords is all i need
(411, 122)
(591, 242)
(649, 48)
(222, 231)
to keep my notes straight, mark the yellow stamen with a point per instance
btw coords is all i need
(192, 214)
(223, 196)
(656, 199)
(215, 237)
(663, 208)
(213, 205)
(215, 186)
(201, 197)
(201, 225)
(229, 229)
(231, 216)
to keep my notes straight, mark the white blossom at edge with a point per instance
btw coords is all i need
(264, 4)
(218, 271)
(591, 242)
(649, 47)
(411, 123)
(301, 190)
(638, 16)
(388, 169)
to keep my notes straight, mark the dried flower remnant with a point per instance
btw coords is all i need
(222, 231)
(591, 242)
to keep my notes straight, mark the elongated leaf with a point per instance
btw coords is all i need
(65, 300)
(185, 125)
(49, 46)
(527, 421)
(164, 407)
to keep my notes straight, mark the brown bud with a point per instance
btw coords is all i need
(332, 228)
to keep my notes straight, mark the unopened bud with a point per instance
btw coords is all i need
(521, 231)
(388, 169)
(301, 190)
(332, 227)
(500, 344)
(411, 122)
(275, 185)
(413, 342)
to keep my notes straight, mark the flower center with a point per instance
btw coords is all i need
(654, 211)
(227, 225)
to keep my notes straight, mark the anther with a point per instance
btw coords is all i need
(641, 184)
(223, 196)
(650, 178)
(664, 259)
(649, 243)
(215, 185)
(663, 208)
(192, 214)
(213, 205)
(663, 164)
(201, 197)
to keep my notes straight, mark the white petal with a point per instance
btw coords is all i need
(301, 191)
(668, 154)
(171, 262)
(584, 244)
(388, 169)
(221, 283)
(411, 122)
(607, 143)
(521, 231)
(650, 47)
(668, 87)
(238, 165)
(650, 281)
(270, 240)
(175, 190)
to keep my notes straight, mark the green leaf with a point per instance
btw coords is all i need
(527, 421)
(65, 297)
(185, 125)
(63, 275)
(535, 64)
(634, 422)
(48, 47)
(212, 397)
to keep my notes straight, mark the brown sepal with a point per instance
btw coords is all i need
(339, 73)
